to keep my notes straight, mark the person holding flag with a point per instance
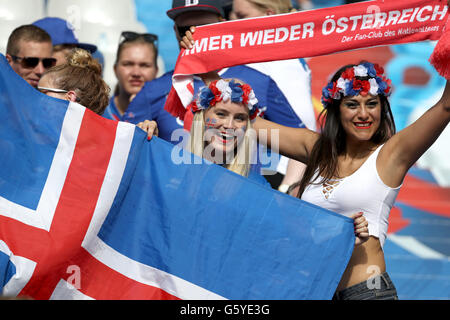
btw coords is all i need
(358, 161)
(221, 132)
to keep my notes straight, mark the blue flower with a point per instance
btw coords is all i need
(205, 97)
(370, 69)
(326, 90)
(382, 85)
(349, 91)
(236, 91)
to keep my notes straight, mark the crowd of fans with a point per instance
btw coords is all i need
(358, 140)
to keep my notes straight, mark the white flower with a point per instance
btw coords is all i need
(342, 83)
(252, 100)
(224, 88)
(360, 71)
(373, 87)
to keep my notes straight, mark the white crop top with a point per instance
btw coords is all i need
(362, 191)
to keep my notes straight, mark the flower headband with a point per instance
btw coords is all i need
(221, 90)
(349, 85)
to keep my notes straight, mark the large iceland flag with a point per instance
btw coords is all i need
(90, 209)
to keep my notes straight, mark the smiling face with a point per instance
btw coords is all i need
(225, 126)
(31, 49)
(360, 116)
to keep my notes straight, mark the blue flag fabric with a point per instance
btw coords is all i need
(89, 209)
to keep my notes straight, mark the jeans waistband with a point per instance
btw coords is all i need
(378, 282)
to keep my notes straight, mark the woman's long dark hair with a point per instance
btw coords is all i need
(332, 140)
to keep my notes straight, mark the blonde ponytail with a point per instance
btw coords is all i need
(82, 58)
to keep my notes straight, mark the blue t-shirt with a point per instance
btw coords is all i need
(111, 112)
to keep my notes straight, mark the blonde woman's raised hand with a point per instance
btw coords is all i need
(150, 127)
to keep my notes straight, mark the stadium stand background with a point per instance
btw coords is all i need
(417, 249)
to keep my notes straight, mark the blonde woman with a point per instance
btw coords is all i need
(221, 130)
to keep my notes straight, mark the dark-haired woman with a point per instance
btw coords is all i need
(358, 162)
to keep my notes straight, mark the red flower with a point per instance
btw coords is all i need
(361, 85)
(378, 69)
(193, 106)
(246, 89)
(334, 90)
(349, 73)
(216, 92)
(389, 83)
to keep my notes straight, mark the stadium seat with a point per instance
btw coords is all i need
(103, 12)
(21, 10)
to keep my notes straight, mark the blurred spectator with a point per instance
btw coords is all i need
(227, 7)
(136, 63)
(303, 4)
(63, 38)
(29, 52)
(256, 8)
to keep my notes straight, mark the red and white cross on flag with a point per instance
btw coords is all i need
(55, 248)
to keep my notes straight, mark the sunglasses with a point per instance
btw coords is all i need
(45, 90)
(131, 36)
(32, 62)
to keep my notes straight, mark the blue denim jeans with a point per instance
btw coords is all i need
(379, 287)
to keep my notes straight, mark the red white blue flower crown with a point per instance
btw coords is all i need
(221, 90)
(363, 79)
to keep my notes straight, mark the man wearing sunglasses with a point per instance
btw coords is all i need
(29, 53)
